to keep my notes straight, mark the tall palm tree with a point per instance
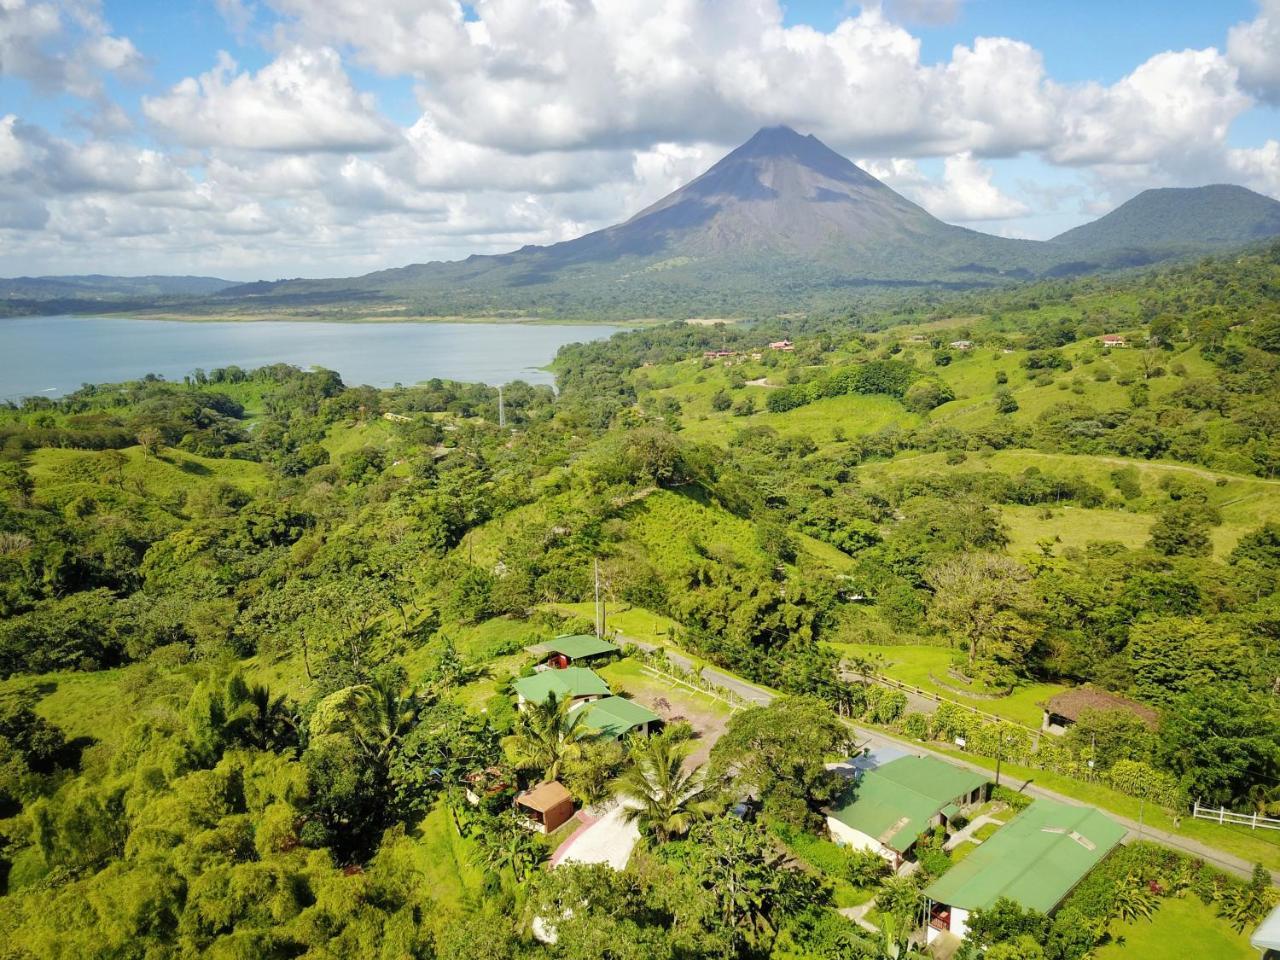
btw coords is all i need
(545, 735)
(375, 715)
(272, 722)
(665, 798)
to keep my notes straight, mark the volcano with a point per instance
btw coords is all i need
(782, 222)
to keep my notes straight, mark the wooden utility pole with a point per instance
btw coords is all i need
(502, 409)
(599, 603)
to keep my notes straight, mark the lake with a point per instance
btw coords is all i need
(51, 356)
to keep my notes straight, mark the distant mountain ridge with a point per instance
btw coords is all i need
(1212, 216)
(97, 285)
(781, 222)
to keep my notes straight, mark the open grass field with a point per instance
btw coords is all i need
(918, 665)
(1071, 527)
(634, 622)
(445, 860)
(853, 414)
(1245, 502)
(60, 472)
(102, 704)
(344, 439)
(1182, 927)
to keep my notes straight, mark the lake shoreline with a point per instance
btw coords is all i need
(55, 355)
(352, 321)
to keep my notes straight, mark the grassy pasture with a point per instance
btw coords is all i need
(1183, 926)
(1245, 502)
(918, 665)
(61, 472)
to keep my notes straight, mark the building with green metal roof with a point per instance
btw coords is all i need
(1035, 860)
(563, 651)
(615, 717)
(889, 807)
(573, 683)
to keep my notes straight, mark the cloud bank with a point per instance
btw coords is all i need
(534, 120)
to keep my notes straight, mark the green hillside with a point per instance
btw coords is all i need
(259, 630)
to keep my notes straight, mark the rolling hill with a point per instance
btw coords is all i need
(1191, 218)
(97, 286)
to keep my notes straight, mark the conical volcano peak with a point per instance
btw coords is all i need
(781, 143)
(779, 139)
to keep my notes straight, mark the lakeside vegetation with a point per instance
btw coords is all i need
(256, 627)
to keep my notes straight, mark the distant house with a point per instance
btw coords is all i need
(961, 344)
(1113, 340)
(717, 354)
(892, 805)
(576, 684)
(567, 650)
(615, 717)
(547, 806)
(1035, 860)
(782, 345)
(1067, 707)
(917, 338)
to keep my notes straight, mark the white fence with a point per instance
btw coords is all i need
(1222, 815)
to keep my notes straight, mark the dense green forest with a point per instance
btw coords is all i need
(258, 629)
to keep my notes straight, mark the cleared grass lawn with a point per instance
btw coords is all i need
(1182, 927)
(1072, 527)
(853, 414)
(445, 860)
(636, 622)
(344, 439)
(168, 472)
(1245, 502)
(963, 850)
(102, 704)
(917, 665)
(985, 831)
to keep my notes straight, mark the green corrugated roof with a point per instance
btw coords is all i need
(616, 716)
(569, 682)
(1035, 860)
(578, 645)
(895, 803)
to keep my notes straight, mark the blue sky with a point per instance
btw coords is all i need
(254, 138)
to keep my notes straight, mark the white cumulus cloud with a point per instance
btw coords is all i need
(301, 101)
(1254, 47)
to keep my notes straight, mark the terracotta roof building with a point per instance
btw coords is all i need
(1067, 707)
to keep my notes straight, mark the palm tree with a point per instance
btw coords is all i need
(545, 735)
(375, 715)
(271, 722)
(665, 797)
(504, 844)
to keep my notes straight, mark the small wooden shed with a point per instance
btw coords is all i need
(548, 805)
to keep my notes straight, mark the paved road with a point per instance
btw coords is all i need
(748, 692)
(915, 702)
(875, 738)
